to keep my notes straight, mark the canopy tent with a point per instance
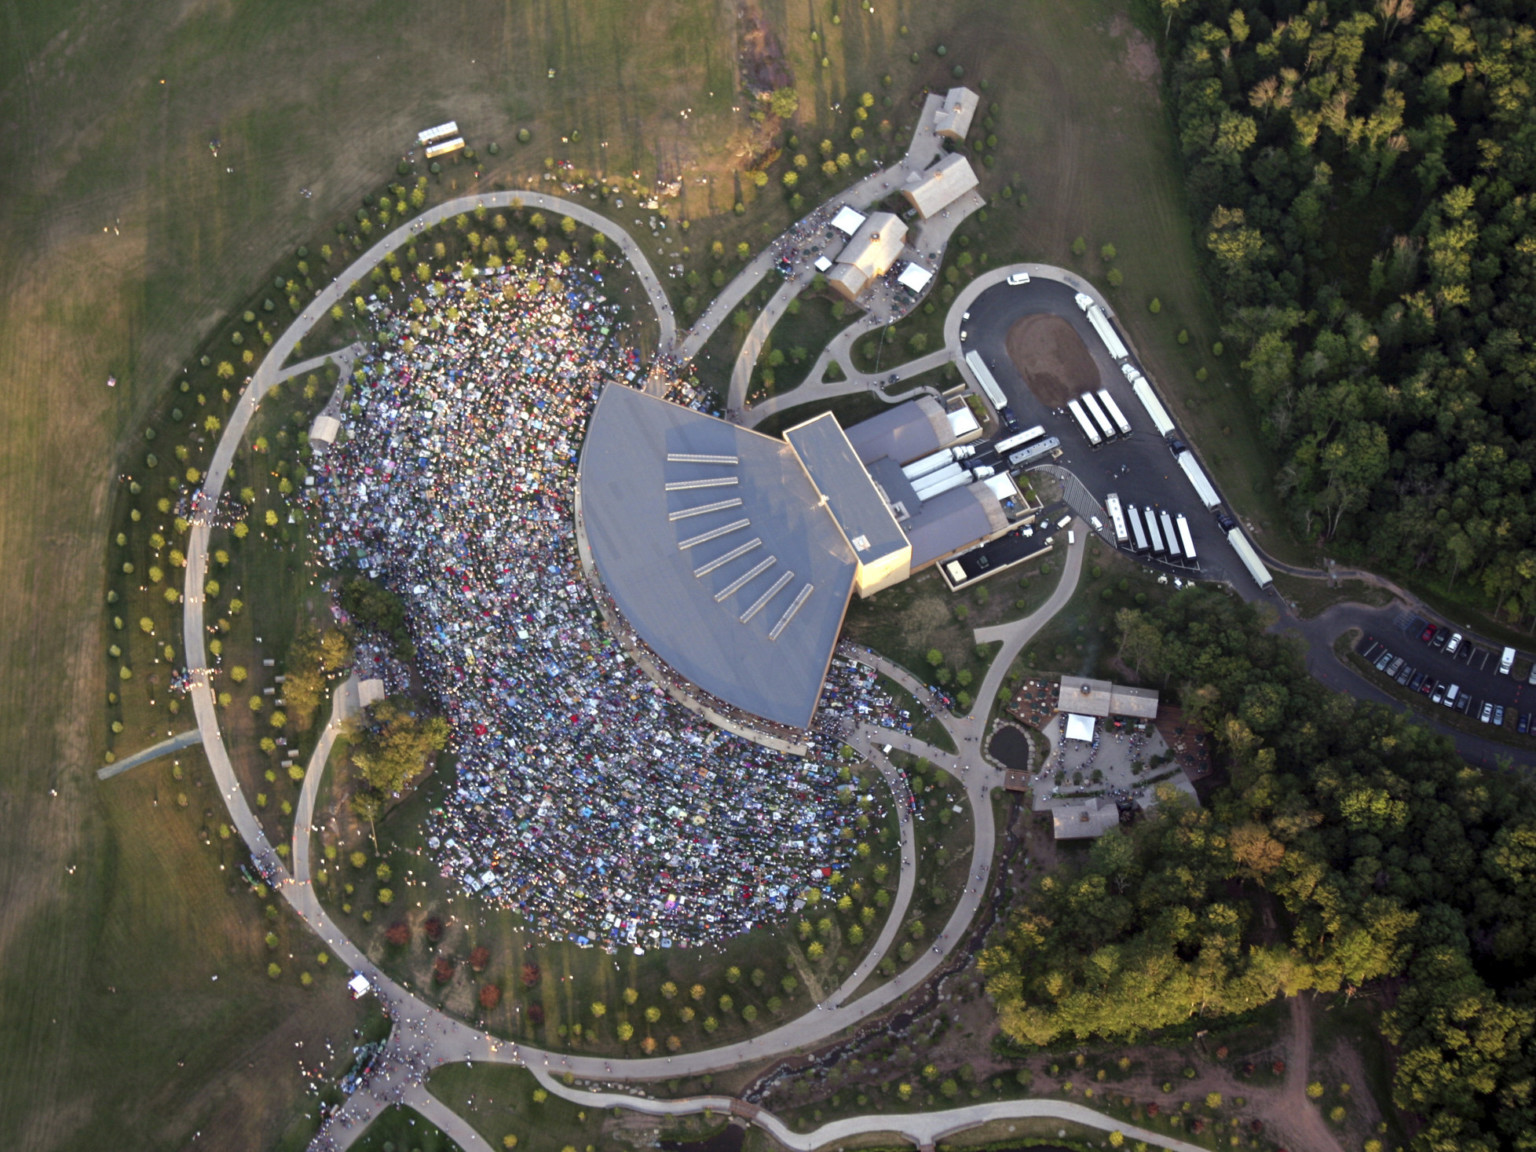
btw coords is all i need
(1080, 727)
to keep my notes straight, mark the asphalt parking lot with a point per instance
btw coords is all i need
(1474, 669)
(1140, 468)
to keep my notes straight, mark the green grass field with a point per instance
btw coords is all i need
(126, 239)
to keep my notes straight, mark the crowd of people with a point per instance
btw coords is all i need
(585, 798)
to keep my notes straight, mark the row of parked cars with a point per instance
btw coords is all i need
(1397, 668)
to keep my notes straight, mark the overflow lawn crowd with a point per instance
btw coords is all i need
(585, 798)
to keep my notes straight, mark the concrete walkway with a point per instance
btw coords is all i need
(922, 1129)
(344, 705)
(422, 1036)
(175, 744)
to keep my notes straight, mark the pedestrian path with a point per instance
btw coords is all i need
(175, 744)
(424, 1037)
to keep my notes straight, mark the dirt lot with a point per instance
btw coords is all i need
(1051, 358)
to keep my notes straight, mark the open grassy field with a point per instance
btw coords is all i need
(157, 162)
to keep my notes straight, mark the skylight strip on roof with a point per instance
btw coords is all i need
(789, 613)
(700, 509)
(741, 581)
(712, 534)
(712, 482)
(755, 542)
(699, 458)
(761, 602)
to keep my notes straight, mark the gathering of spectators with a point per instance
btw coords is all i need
(584, 798)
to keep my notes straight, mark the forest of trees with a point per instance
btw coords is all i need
(1350, 845)
(1360, 172)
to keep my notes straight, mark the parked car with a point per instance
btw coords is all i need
(1438, 694)
(1406, 674)
(1464, 704)
(1417, 682)
(1450, 695)
(1383, 660)
(1441, 637)
(1429, 629)
(1525, 723)
(1455, 643)
(1487, 713)
(1498, 715)
(1019, 278)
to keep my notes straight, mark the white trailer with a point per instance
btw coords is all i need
(1168, 535)
(1116, 517)
(1139, 536)
(1197, 477)
(985, 378)
(1185, 538)
(1019, 439)
(1107, 333)
(1153, 534)
(944, 486)
(1033, 452)
(1250, 558)
(1091, 406)
(938, 476)
(1082, 422)
(1114, 412)
(1153, 405)
(928, 464)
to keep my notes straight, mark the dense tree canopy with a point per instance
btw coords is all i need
(1361, 173)
(1351, 844)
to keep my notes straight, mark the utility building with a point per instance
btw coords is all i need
(954, 117)
(940, 186)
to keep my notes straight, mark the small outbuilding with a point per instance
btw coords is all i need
(954, 116)
(935, 189)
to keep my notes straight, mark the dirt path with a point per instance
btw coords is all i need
(1297, 1117)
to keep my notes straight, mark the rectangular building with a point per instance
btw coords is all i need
(940, 186)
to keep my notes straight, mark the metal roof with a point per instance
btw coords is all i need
(954, 116)
(932, 191)
(698, 585)
(856, 504)
(1101, 698)
(953, 520)
(905, 432)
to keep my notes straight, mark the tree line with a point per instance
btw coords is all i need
(1351, 847)
(1360, 173)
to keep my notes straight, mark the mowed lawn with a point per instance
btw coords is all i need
(126, 234)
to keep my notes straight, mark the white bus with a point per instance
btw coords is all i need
(1021, 456)
(1082, 422)
(1019, 439)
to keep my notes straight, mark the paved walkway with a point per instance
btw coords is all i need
(423, 1037)
(344, 705)
(923, 1129)
(175, 744)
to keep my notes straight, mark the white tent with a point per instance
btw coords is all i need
(847, 221)
(914, 278)
(1080, 727)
